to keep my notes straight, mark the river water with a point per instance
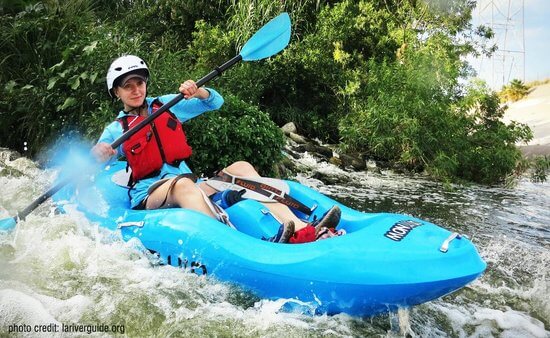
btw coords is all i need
(58, 272)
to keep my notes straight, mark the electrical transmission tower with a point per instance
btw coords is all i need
(507, 20)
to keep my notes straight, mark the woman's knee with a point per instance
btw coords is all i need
(186, 187)
(242, 168)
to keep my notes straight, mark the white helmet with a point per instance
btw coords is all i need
(125, 65)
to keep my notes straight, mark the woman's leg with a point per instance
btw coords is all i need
(281, 211)
(184, 193)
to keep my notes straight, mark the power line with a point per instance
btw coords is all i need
(506, 18)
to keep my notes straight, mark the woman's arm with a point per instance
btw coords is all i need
(200, 101)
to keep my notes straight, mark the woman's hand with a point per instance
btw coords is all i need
(190, 90)
(103, 151)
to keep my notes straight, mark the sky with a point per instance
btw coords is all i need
(506, 66)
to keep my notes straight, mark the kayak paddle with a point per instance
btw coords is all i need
(269, 40)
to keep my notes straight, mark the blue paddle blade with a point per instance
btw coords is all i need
(269, 40)
(7, 224)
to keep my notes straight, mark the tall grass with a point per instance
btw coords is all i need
(537, 83)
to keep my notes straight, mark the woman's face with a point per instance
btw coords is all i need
(132, 93)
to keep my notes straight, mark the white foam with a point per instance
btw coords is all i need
(20, 308)
(511, 323)
(68, 310)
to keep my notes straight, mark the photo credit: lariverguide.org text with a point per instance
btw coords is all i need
(67, 328)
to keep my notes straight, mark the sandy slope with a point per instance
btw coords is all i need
(534, 110)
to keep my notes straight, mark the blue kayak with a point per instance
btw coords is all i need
(384, 262)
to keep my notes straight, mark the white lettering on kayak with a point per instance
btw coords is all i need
(399, 230)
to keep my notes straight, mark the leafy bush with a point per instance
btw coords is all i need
(487, 152)
(541, 168)
(238, 131)
(417, 119)
(37, 99)
(406, 117)
(166, 23)
(515, 91)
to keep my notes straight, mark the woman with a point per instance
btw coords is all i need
(157, 153)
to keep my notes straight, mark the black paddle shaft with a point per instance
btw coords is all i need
(213, 74)
(41, 199)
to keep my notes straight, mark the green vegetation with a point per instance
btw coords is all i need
(513, 92)
(237, 131)
(381, 78)
(541, 168)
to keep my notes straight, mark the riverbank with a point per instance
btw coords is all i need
(534, 111)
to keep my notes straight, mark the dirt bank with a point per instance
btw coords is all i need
(534, 111)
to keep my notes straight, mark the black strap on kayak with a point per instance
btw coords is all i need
(266, 190)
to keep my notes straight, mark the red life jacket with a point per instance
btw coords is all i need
(162, 141)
